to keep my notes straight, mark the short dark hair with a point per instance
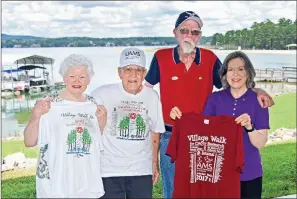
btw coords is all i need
(247, 65)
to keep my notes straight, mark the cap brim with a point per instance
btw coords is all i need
(132, 64)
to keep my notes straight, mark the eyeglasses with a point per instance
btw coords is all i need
(128, 70)
(195, 32)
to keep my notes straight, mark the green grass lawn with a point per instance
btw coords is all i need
(14, 146)
(23, 117)
(283, 113)
(279, 162)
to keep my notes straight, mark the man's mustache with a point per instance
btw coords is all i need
(187, 45)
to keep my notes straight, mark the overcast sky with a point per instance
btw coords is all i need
(129, 19)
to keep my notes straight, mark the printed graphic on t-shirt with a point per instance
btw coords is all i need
(79, 140)
(42, 166)
(129, 121)
(206, 157)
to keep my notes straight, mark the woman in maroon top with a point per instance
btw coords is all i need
(239, 100)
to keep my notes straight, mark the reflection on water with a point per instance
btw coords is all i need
(9, 108)
(18, 104)
(22, 103)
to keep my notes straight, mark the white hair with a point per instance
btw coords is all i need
(75, 60)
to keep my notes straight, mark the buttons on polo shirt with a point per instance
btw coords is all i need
(199, 77)
(234, 109)
(174, 78)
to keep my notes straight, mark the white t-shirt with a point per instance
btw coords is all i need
(126, 137)
(71, 146)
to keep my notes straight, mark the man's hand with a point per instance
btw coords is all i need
(156, 172)
(175, 113)
(101, 114)
(264, 99)
(244, 120)
(41, 107)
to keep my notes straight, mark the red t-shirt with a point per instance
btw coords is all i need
(208, 151)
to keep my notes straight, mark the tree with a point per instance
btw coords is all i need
(85, 138)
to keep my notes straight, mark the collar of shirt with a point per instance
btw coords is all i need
(234, 106)
(242, 98)
(176, 56)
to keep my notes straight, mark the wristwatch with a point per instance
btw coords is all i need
(250, 130)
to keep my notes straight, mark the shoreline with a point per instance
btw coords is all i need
(286, 52)
(218, 51)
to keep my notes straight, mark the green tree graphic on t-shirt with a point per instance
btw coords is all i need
(71, 140)
(89, 142)
(85, 137)
(140, 126)
(79, 141)
(124, 126)
(86, 140)
(74, 137)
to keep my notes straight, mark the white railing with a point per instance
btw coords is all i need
(284, 74)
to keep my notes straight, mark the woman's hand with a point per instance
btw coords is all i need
(175, 113)
(41, 107)
(101, 114)
(244, 120)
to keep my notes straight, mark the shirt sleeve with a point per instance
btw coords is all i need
(153, 74)
(239, 150)
(261, 120)
(216, 77)
(173, 143)
(210, 106)
(158, 122)
(43, 131)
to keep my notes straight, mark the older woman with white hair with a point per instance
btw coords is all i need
(69, 136)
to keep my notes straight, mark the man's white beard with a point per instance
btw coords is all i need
(187, 45)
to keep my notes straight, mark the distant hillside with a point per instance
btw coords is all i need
(5, 36)
(27, 41)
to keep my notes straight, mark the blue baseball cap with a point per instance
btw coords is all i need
(186, 16)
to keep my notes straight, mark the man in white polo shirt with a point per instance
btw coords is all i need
(129, 165)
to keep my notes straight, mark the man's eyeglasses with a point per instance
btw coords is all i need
(195, 32)
(128, 70)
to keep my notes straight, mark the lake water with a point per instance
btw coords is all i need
(106, 61)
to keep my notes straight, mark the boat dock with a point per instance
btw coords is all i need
(284, 74)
